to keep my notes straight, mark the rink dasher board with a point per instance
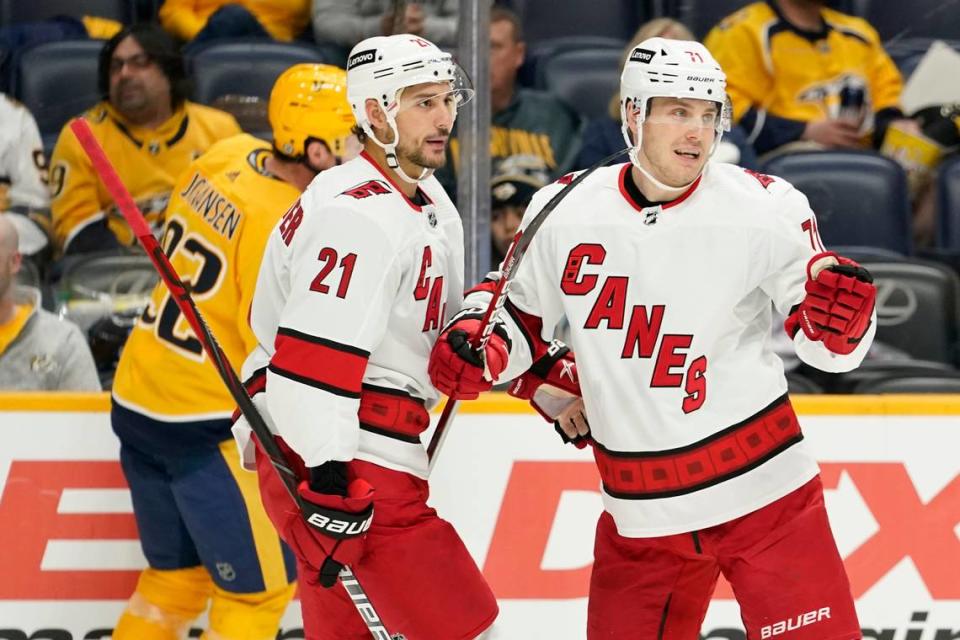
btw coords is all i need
(525, 505)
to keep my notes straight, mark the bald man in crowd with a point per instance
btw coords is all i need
(38, 351)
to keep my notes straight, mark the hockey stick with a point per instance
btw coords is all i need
(515, 253)
(181, 295)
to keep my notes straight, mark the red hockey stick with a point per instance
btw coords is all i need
(518, 248)
(181, 295)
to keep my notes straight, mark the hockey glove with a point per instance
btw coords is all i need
(456, 369)
(551, 383)
(326, 529)
(338, 515)
(838, 306)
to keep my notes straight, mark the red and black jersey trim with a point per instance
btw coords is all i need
(724, 455)
(256, 383)
(632, 194)
(320, 363)
(392, 413)
(422, 198)
(531, 328)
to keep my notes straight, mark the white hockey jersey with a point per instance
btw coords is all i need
(355, 285)
(669, 311)
(23, 174)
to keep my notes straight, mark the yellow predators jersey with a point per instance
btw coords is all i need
(774, 67)
(149, 161)
(220, 214)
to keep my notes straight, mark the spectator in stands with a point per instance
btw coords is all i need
(23, 178)
(604, 136)
(200, 21)
(518, 178)
(146, 126)
(525, 121)
(798, 72)
(38, 351)
(347, 22)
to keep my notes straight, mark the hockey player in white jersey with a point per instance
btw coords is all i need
(356, 283)
(667, 269)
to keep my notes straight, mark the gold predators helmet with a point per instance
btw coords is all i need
(310, 101)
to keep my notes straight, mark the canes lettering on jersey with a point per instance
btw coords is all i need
(643, 329)
(662, 372)
(430, 289)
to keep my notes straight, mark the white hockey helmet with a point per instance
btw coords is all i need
(379, 68)
(663, 68)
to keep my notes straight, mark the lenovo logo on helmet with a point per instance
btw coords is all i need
(641, 55)
(362, 57)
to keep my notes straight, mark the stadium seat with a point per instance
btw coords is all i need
(98, 285)
(244, 67)
(896, 383)
(531, 72)
(585, 79)
(948, 205)
(797, 383)
(915, 19)
(860, 197)
(57, 81)
(917, 308)
(545, 19)
(867, 254)
(32, 11)
(869, 371)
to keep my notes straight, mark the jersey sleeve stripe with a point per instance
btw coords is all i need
(530, 327)
(320, 363)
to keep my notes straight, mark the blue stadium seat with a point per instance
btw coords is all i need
(860, 197)
(244, 67)
(899, 383)
(948, 205)
(34, 10)
(917, 308)
(585, 80)
(58, 81)
(531, 73)
(545, 19)
(914, 19)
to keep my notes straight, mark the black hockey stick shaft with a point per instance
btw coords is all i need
(518, 248)
(182, 298)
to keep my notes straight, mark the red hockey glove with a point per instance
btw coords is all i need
(456, 369)
(329, 531)
(338, 515)
(838, 306)
(551, 382)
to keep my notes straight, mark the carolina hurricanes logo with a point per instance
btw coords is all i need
(367, 189)
(762, 178)
(567, 371)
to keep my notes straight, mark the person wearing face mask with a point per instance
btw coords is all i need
(356, 282)
(149, 129)
(666, 269)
